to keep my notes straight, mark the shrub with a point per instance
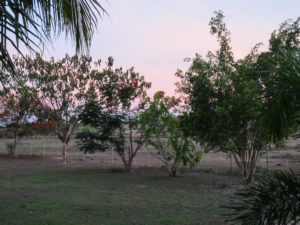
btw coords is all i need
(268, 201)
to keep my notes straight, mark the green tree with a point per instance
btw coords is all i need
(225, 102)
(275, 200)
(174, 148)
(119, 97)
(62, 87)
(32, 23)
(279, 71)
(16, 109)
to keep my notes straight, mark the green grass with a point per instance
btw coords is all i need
(105, 197)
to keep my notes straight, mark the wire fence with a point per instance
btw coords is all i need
(286, 158)
(52, 147)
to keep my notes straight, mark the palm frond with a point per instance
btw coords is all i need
(268, 202)
(33, 22)
(282, 114)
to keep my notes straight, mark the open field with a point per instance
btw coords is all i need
(287, 157)
(38, 189)
(43, 191)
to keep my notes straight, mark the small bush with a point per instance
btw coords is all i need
(10, 148)
(268, 201)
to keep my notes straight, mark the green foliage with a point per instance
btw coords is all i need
(268, 201)
(166, 133)
(10, 148)
(105, 125)
(117, 89)
(17, 107)
(62, 88)
(280, 74)
(225, 102)
(117, 100)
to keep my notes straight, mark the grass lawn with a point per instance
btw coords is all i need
(106, 197)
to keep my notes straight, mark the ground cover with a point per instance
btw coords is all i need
(64, 195)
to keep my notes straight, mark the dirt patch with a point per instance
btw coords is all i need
(10, 166)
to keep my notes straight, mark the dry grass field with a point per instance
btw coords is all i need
(287, 157)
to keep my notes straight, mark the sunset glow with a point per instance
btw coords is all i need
(156, 36)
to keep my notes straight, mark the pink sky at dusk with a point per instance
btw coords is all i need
(155, 36)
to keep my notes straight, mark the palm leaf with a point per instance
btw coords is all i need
(271, 201)
(282, 114)
(32, 23)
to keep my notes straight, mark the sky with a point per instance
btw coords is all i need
(155, 36)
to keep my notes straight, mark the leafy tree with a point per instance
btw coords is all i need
(167, 136)
(276, 200)
(268, 201)
(105, 123)
(279, 72)
(15, 112)
(33, 22)
(62, 87)
(225, 102)
(119, 94)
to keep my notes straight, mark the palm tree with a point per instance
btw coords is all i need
(274, 200)
(33, 23)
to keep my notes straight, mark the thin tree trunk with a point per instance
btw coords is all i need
(127, 166)
(64, 152)
(15, 151)
(172, 172)
(247, 167)
(130, 152)
(248, 174)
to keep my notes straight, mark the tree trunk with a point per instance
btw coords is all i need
(126, 163)
(248, 173)
(64, 152)
(15, 151)
(172, 172)
(127, 166)
(247, 166)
